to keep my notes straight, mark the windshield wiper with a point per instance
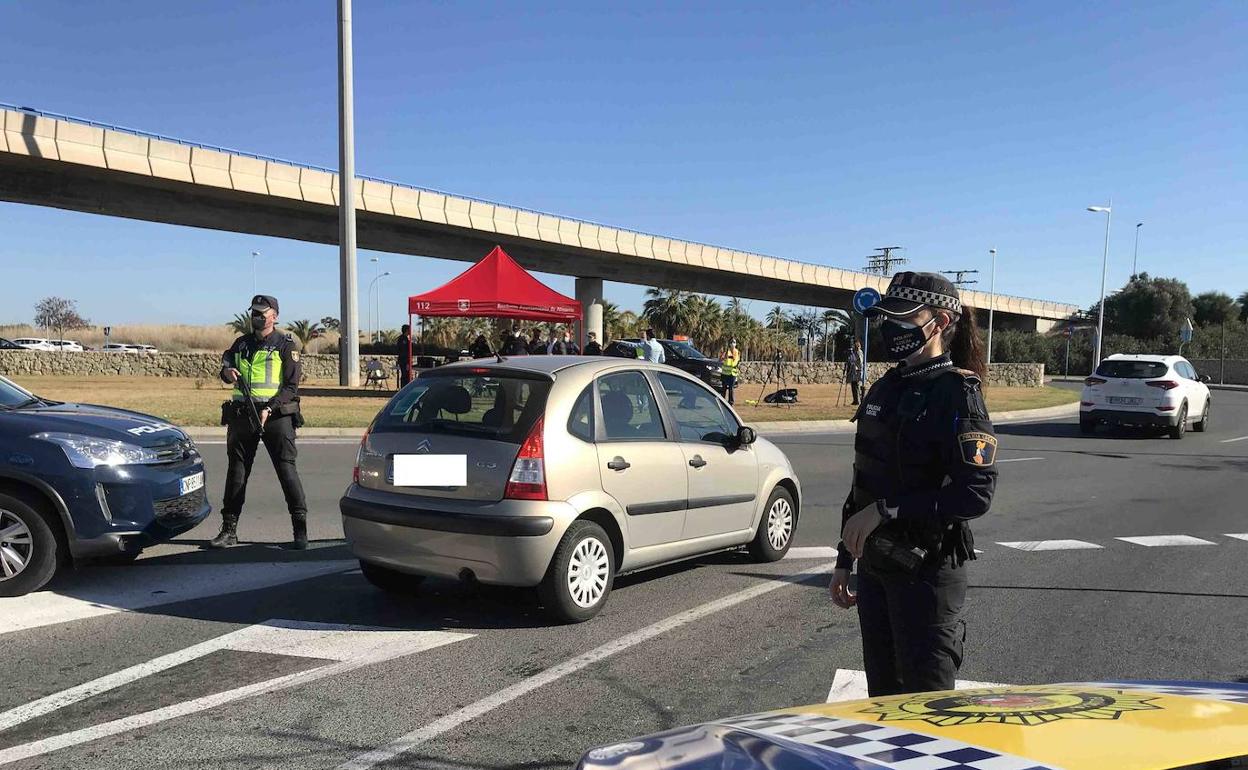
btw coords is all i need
(28, 402)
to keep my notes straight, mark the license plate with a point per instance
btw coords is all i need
(1124, 401)
(430, 470)
(191, 483)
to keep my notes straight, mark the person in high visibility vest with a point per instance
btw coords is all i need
(264, 368)
(729, 364)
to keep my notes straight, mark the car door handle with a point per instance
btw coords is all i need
(619, 464)
(697, 461)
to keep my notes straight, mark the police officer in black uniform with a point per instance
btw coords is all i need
(924, 466)
(263, 367)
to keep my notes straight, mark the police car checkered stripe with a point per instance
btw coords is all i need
(926, 297)
(1211, 693)
(870, 746)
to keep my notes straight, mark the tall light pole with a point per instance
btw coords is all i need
(1136, 258)
(1108, 211)
(254, 254)
(377, 329)
(992, 300)
(349, 343)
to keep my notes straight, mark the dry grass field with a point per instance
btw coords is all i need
(197, 402)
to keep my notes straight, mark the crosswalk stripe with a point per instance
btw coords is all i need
(1159, 540)
(1050, 545)
(812, 552)
(349, 646)
(1240, 536)
(851, 684)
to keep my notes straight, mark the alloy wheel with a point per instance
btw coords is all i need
(16, 545)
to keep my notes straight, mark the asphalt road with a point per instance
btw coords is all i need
(261, 657)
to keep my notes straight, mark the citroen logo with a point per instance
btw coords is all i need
(423, 447)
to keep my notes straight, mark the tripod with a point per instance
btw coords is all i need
(776, 375)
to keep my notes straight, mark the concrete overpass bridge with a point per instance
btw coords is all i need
(80, 165)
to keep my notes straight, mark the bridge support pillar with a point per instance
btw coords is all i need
(589, 294)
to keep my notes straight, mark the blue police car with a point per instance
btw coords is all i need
(79, 481)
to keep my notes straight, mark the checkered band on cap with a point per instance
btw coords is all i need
(926, 297)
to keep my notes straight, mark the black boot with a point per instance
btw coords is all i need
(228, 536)
(299, 523)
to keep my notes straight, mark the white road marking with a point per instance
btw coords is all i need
(1156, 540)
(1049, 545)
(812, 552)
(351, 647)
(1233, 440)
(1241, 536)
(121, 589)
(851, 684)
(507, 695)
(1019, 460)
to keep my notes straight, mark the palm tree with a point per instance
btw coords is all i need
(610, 321)
(704, 320)
(305, 331)
(625, 325)
(833, 320)
(241, 323)
(666, 310)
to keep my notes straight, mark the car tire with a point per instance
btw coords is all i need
(775, 528)
(391, 580)
(1180, 426)
(1203, 425)
(30, 549)
(578, 580)
(1087, 426)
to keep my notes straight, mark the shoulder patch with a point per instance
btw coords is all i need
(979, 449)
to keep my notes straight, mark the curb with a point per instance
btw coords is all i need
(201, 431)
(845, 426)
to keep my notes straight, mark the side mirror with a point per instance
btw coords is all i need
(746, 436)
(1206, 378)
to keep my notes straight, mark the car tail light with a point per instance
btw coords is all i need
(355, 473)
(528, 475)
(1165, 408)
(1163, 384)
(1086, 403)
(1093, 381)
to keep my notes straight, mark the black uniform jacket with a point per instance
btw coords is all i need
(925, 445)
(248, 344)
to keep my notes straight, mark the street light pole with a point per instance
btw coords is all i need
(349, 343)
(1136, 258)
(254, 254)
(375, 335)
(992, 300)
(1108, 211)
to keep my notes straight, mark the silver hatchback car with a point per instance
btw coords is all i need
(561, 472)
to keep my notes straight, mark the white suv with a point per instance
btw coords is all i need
(68, 346)
(1162, 391)
(34, 343)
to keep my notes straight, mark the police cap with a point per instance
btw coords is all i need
(910, 291)
(262, 302)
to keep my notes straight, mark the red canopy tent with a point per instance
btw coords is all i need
(495, 287)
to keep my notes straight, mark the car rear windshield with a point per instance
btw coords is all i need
(1132, 370)
(685, 349)
(494, 405)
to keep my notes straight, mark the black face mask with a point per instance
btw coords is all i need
(257, 321)
(902, 339)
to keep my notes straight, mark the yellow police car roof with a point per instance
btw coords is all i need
(1082, 726)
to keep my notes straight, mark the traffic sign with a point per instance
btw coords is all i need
(865, 298)
(108, 330)
(1185, 332)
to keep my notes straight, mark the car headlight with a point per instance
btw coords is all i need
(91, 452)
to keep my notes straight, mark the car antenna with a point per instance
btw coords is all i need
(500, 358)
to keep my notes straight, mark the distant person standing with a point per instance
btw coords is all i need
(537, 347)
(853, 369)
(592, 348)
(515, 345)
(554, 343)
(653, 349)
(480, 347)
(403, 351)
(728, 370)
(570, 348)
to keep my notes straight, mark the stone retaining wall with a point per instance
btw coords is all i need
(823, 372)
(325, 367)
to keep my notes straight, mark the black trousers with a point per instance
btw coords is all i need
(405, 373)
(911, 634)
(241, 442)
(854, 385)
(729, 385)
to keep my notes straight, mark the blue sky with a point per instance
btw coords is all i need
(808, 131)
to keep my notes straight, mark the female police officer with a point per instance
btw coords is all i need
(924, 460)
